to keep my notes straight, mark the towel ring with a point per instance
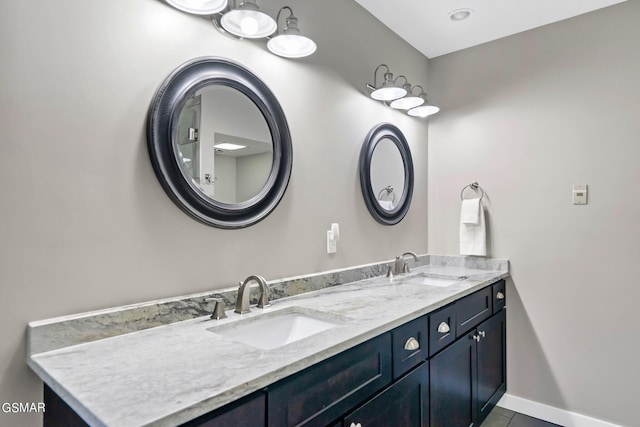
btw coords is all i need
(389, 190)
(474, 186)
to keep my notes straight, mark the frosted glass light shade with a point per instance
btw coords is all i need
(407, 102)
(291, 45)
(388, 93)
(248, 23)
(199, 7)
(423, 110)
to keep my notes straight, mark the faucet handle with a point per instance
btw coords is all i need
(390, 271)
(218, 309)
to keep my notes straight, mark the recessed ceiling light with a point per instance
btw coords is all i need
(460, 14)
(229, 146)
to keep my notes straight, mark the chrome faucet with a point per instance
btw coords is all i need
(400, 265)
(242, 300)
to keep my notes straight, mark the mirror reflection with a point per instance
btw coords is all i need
(223, 144)
(387, 174)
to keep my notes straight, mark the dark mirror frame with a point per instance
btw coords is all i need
(162, 122)
(375, 135)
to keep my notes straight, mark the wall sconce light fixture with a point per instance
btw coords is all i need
(247, 21)
(401, 97)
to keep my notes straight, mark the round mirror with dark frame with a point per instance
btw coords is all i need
(219, 143)
(386, 174)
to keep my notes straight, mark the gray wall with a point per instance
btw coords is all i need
(84, 222)
(528, 117)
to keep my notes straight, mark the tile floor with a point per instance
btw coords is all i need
(501, 417)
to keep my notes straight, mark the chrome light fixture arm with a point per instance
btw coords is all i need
(287, 21)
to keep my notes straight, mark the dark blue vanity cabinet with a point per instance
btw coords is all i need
(444, 369)
(468, 377)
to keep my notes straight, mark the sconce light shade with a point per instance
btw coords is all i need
(248, 21)
(290, 43)
(199, 7)
(423, 110)
(409, 101)
(389, 90)
(388, 93)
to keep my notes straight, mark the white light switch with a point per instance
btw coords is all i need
(332, 238)
(579, 194)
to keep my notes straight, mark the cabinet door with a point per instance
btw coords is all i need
(404, 404)
(492, 365)
(453, 385)
(324, 392)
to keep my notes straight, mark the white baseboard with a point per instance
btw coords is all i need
(550, 413)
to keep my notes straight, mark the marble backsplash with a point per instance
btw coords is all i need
(52, 334)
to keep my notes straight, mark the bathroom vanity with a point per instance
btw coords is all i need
(425, 348)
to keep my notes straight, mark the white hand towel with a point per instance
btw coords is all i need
(470, 211)
(473, 237)
(386, 204)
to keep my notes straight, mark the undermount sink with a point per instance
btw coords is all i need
(431, 280)
(276, 329)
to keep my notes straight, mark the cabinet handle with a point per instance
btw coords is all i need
(476, 337)
(481, 333)
(443, 328)
(411, 344)
(356, 425)
(499, 295)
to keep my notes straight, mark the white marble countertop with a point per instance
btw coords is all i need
(170, 374)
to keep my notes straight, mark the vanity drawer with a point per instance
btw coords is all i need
(442, 328)
(473, 309)
(410, 345)
(324, 392)
(499, 295)
(248, 412)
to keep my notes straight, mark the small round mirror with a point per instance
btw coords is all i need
(386, 174)
(219, 143)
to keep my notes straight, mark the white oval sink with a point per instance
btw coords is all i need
(276, 329)
(440, 282)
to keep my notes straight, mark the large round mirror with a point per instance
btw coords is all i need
(219, 143)
(386, 174)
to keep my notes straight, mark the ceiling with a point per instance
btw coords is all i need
(425, 24)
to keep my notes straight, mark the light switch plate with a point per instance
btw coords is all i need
(332, 244)
(580, 194)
